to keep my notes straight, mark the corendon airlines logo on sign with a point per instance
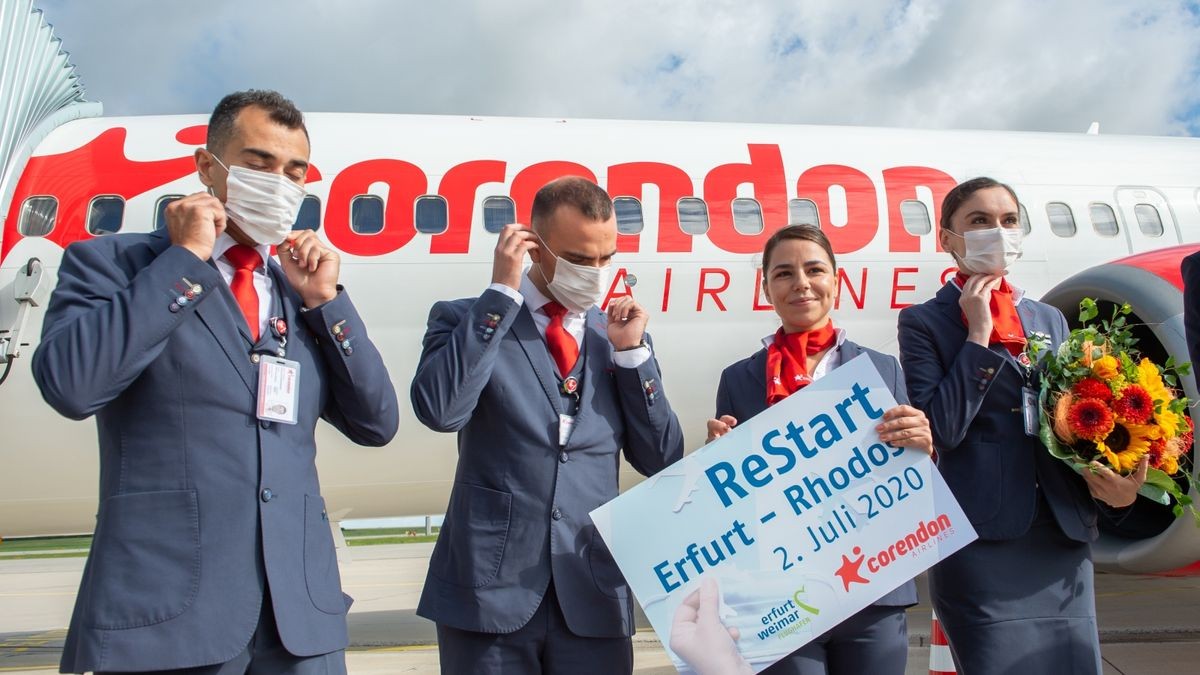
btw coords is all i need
(101, 167)
(921, 539)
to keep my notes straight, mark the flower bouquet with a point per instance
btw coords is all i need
(1102, 401)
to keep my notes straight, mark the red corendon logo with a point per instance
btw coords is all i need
(101, 167)
(911, 543)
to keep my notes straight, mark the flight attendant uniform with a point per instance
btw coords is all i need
(1020, 599)
(875, 640)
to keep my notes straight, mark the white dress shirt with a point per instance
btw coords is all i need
(263, 285)
(573, 322)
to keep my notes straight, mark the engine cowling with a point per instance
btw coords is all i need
(1147, 538)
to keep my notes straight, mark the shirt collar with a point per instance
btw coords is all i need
(1017, 292)
(225, 242)
(534, 298)
(839, 338)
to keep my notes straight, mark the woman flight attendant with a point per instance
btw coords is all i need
(1019, 599)
(800, 281)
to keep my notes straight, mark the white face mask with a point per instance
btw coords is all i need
(991, 251)
(577, 287)
(264, 205)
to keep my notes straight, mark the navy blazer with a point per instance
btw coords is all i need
(972, 395)
(742, 393)
(1190, 269)
(518, 512)
(200, 502)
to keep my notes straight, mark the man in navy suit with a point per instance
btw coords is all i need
(544, 393)
(207, 364)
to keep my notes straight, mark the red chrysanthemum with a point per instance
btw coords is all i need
(1090, 387)
(1157, 453)
(1135, 405)
(1090, 419)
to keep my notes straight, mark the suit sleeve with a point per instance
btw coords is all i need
(950, 397)
(362, 402)
(104, 325)
(458, 356)
(899, 388)
(1191, 310)
(724, 398)
(653, 436)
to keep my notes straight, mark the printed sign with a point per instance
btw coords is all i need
(752, 546)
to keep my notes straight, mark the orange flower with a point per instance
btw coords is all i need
(1135, 405)
(1090, 387)
(1062, 427)
(1106, 367)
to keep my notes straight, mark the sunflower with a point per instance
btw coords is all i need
(1090, 387)
(1151, 380)
(1135, 405)
(1107, 368)
(1090, 419)
(1126, 444)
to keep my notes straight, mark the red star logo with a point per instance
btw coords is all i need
(850, 570)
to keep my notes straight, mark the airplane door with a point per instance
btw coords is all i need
(1147, 218)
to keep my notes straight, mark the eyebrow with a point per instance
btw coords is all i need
(270, 157)
(806, 263)
(985, 213)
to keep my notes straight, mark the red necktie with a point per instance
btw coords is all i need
(1006, 323)
(563, 347)
(245, 260)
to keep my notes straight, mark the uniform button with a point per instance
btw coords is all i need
(991, 371)
(562, 457)
(556, 514)
(267, 495)
(254, 358)
(264, 424)
(173, 307)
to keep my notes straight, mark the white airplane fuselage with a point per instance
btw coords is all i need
(702, 289)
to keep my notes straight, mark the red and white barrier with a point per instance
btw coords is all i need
(940, 661)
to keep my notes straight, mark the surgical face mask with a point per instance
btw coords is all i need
(264, 205)
(991, 251)
(577, 287)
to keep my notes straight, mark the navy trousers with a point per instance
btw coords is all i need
(544, 645)
(874, 641)
(265, 655)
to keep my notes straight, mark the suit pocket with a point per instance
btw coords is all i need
(975, 474)
(145, 560)
(320, 559)
(605, 573)
(471, 543)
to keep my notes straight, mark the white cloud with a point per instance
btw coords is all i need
(1022, 64)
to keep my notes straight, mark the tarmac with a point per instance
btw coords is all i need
(1148, 624)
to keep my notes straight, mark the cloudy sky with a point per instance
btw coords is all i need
(1018, 64)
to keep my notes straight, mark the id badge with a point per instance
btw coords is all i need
(565, 424)
(278, 389)
(1029, 409)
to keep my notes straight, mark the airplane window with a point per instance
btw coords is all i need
(431, 214)
(1025, 226)
(37, 216)
(629, 215)
(160, 210)
(498, 212)
(1148, 219)
(693, 215)
(803, 212)
(1104, 221)
(1062, 223)
(915, 217)
(309, 217)
(366, 214)
(105, 214)
(747, 216)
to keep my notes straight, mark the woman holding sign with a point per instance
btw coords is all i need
(1020, 598)
(800, 280)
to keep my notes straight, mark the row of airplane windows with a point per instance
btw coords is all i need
(106, 214)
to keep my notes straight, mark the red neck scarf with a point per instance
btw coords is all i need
(1006, 323)
(787, 368)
